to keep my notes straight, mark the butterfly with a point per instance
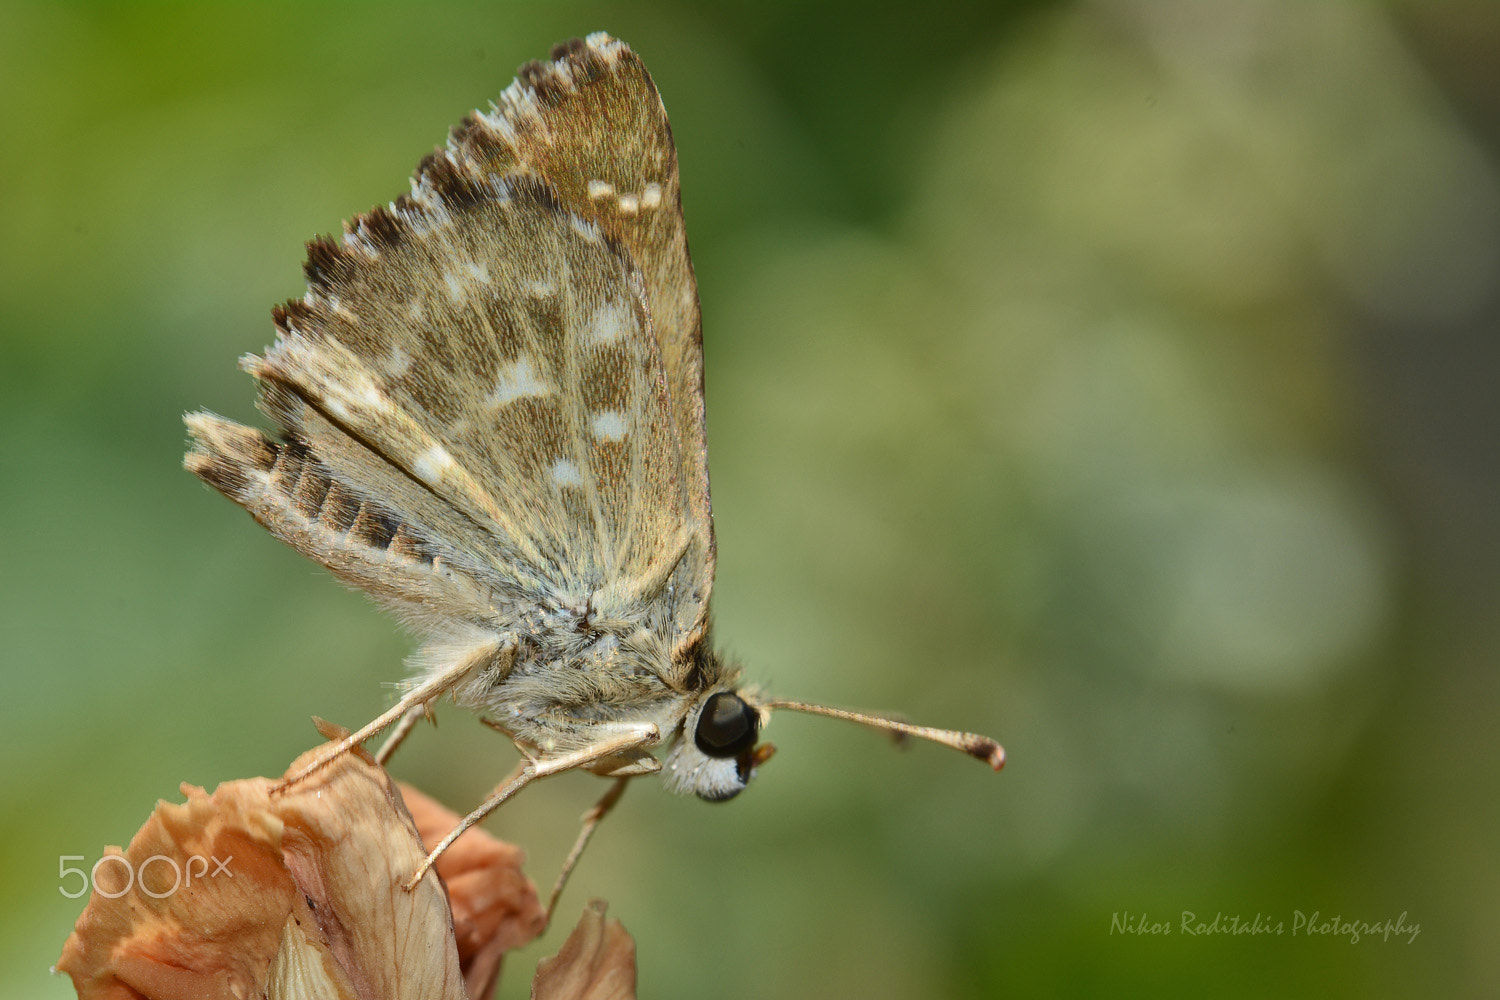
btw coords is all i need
(491, 420)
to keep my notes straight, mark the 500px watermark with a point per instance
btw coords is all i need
(196, 867)
(1313, 924)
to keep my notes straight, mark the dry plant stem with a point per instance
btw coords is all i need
(980, 747)
(633, 737)
(433, 687)
(591, 820)
(393, 742)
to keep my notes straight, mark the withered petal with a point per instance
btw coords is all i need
(322, 863)
(303, 970)
(596, 962)
(495, 906)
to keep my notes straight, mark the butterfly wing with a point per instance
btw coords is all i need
(480, 371)
(592, 123)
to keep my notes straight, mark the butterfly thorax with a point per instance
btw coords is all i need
(569, 673)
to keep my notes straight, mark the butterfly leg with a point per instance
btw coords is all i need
(591, 821)
(633, 736)
(408, 722)
(430, 689)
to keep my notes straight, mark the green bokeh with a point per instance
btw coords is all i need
(1114, 378)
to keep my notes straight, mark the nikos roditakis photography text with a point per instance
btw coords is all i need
(1299, 923)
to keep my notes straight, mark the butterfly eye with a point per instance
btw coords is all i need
(726, 726)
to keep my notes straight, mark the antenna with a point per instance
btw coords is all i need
(980, 747)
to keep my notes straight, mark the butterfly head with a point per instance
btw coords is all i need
(717, 753)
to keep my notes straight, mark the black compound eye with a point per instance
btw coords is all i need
(726, 726)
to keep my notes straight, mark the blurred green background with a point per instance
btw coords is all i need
(1115, 378)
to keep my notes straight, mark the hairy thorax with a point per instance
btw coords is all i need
(573, 672)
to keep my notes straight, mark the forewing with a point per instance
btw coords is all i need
(592, 124)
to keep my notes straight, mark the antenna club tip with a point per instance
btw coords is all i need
(987, 750)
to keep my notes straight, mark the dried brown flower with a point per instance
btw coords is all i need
(299, 895)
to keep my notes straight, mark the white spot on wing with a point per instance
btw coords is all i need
(600, 189)
(609, 323)
(433, 464)
(336, 305)
(629, 204)
(586, 229)
(516, 380)
(609, 426)
(500, 189)
(497, 121)
(359, 239)
(455, 286)
(565, 473)
(399, 362)
(478, 272)
(651, 195)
